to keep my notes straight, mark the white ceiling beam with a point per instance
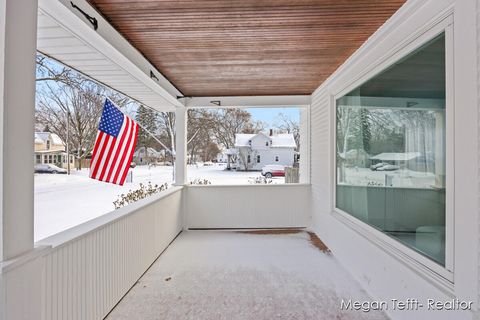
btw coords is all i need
(248, 101)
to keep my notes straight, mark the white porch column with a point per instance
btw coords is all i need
(18, 41)
(305, 145)
(181, 146)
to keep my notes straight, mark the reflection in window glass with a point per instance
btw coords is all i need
(391, 151)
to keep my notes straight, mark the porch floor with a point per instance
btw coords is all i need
(233, 275)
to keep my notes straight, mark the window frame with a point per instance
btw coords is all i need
(390, 244)
(305, 134)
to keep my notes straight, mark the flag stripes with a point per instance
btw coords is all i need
(114, 146)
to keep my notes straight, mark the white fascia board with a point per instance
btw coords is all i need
(109, 42)
(249, 101)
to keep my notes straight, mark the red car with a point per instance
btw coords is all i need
(273, 170)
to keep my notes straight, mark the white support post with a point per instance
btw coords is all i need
(180, 146)
(18, 41)
(305, 145)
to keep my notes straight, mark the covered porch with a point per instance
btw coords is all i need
(260, 251)
(281, 274)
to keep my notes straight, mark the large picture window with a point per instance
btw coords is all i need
(391, 151)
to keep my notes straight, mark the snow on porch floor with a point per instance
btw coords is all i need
(231, 275)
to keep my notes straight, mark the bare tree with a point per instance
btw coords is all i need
(201, 141)
(83, 108)
(226, 123)
(48, 71)
(288, 125)
(246, 154)
(166, 132)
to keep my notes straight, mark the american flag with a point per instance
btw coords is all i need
(114, 146)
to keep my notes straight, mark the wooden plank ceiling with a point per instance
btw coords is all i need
(247, 47)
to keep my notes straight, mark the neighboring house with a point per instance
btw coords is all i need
(254, 151)
(49, 148)
(150, 155)
(222, 157)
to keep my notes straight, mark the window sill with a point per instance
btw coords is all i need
(283, 185)
(441, 277)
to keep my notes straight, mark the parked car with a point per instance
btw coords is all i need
(273, 170)
(388, 167)
(374, 167)
(49, 168)
(382, 166)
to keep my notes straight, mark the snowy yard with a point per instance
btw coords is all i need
(402, 178)
(63, 201)
(224, 275)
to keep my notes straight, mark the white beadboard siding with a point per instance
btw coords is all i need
(321, 131)
(249, 206)
(85, 277)
(383, 273)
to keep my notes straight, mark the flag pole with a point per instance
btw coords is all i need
(172, 153)
(145, 129)
(68, 139)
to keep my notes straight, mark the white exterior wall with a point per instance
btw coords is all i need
(267, 156)
(385, 271)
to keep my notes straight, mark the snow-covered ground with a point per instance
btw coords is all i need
(221, 275)
(63, 201)
(402, 178)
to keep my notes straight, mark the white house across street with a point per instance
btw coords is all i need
(258, 150)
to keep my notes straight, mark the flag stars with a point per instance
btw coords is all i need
(112, 120)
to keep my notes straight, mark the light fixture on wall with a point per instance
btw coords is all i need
(218, 103)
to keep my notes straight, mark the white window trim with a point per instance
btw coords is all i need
(443, 276)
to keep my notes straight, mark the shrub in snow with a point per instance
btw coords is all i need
(260, 180)
(142, 192)
(200, 182)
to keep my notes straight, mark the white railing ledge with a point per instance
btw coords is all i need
(254, 185)
(87, 227)
(35, 253)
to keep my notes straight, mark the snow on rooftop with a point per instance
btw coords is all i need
(283, 140)
(38, 139)
(42, 137)
(396, 156)
(151, 152)
(280, 140)
(207, 275)
(242, 139)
